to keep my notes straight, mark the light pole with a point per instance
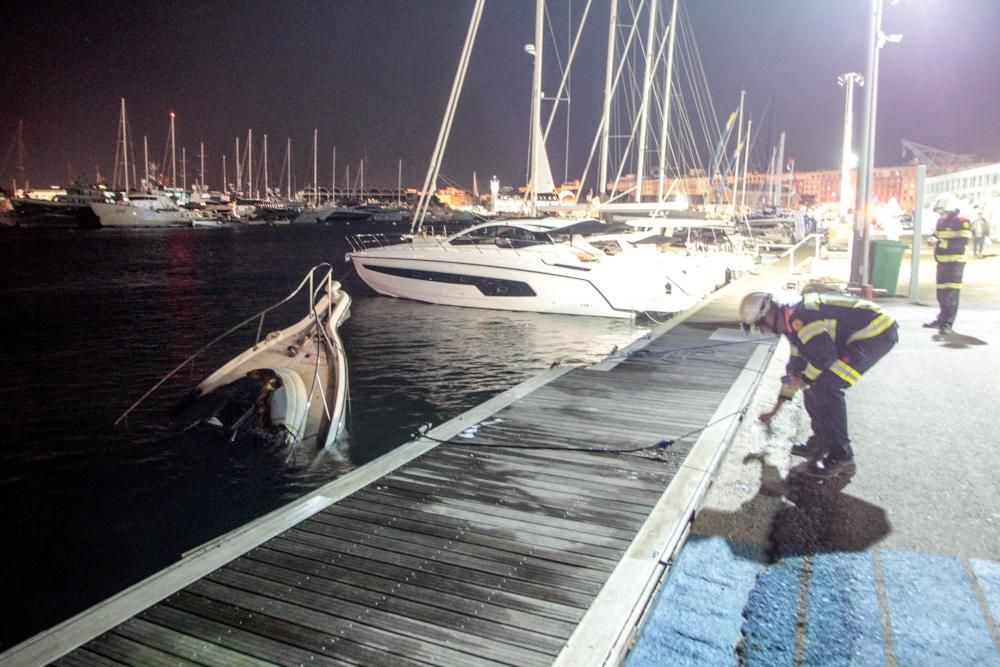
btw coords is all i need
(862, 213)
(847, 82)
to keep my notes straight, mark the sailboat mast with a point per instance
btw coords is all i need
(239, 171)
(145, 158)
(739, 148)
(536, 108)
(647, 81)
(333, 179)
(668, 77)
(124, 146)
(288, 159)
(173, 153)
(250, 163)
(184, 173)
(267, 189)
(201, 176)
(780, 170)
(315, 182)
(399, 184)
(602, 172)
(225, 181)
(746, 162)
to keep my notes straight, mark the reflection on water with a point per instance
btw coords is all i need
(93, 319)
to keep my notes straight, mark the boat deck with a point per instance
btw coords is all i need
(532, 530)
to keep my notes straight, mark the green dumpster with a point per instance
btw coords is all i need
(887, 256)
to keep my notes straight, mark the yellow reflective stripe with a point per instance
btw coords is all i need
(951, 258)
(811, 301)
(811, 372)
(845, 372)
(954, 234)
(874, 328)
(813, 329)
(787, 391)
(795, 351)
(949, 285)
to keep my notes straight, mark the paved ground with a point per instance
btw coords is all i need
(898, 568)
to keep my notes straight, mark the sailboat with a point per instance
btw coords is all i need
(533, 264)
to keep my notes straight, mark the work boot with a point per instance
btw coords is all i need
(933, 324)
(810, 449)
(946, 329)
(829, 467)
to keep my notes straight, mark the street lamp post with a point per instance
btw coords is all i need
(862, 209)
(847, 82)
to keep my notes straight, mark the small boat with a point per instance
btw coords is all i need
(289, 388)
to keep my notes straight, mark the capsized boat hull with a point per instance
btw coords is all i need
(300, 374)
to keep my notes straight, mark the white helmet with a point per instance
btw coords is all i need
(948, 205)
(754, 306)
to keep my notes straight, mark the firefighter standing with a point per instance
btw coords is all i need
(951, 236)
(834, 340)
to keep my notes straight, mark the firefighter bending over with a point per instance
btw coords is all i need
(834, 339)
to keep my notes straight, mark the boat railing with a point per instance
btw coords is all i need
(362, 242)
(315, 286)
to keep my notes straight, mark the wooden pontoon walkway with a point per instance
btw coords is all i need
(534, 536)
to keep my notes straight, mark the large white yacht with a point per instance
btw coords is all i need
(541, 265)
(143, 210)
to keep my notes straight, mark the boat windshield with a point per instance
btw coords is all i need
(505, 236)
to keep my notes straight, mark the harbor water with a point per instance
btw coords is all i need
(93, 318)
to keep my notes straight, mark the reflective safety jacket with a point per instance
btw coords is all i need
(953, 233)
(821, 327)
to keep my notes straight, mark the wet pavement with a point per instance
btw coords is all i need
(897, 567)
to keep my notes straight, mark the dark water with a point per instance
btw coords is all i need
(91, 319)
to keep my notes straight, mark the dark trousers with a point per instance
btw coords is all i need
(824, 399)
(977, 245)
(949, 288)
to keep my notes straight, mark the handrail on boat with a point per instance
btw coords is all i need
(326, 280)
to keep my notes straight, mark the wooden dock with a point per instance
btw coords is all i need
(531, 530)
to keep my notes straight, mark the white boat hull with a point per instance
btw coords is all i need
(315, 411)
(520, 281)
(123, 215)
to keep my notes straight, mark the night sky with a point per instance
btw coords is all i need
(373, 77)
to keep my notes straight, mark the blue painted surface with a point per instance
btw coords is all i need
(719, 595)
(771, 616)
(988, 577)
(843, 624)
(696, 618)
(934, 615)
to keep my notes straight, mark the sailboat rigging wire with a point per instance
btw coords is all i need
(445, 131)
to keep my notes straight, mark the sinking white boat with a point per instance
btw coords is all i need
(543, 265)
(289, 388)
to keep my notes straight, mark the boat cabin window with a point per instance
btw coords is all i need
(504, 236)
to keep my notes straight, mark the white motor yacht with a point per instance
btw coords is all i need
(539, 265)
(143, 210)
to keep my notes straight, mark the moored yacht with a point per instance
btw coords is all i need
(543, 265)
(68, 209)
(143, 210)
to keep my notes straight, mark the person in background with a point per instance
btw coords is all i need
(834, 340)
(950, 238)
(980, 232)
